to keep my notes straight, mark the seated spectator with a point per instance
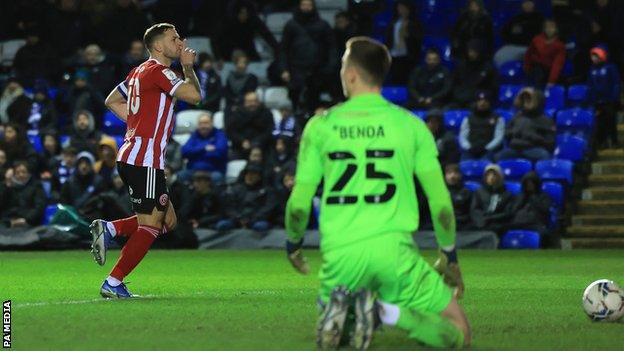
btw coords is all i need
(135, 56)
(473, 23)
(82, 96)
(49, 161)
(14, 103)
(120, 191)
(287, 125)
(491, 204)
(206, 208)
(430, 84)
(518, 32)
(257, 157)
(173, 155)
(239, 82)
(474, 73)
(448, 150)
(100, 70)
(106, 163)
(181, 199)
(83, 135)
(210, 83)
(84, 184)
(250, 124)
(23, 198)
(17, 147)
(206, 150)
(249, 203)
(403, 38)
(531, 209)
(37, 59)
(281, 157)
(344, 29)
(460, 195)
(604, 93)
(545, 57)
(67, 166)
(482, 133)
(530, 134)
(3, 163)
(282, 193)
(31, 114)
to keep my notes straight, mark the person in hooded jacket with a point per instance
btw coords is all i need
(83, 135)
(530, 133)
(23, 198)
(460, 195)
(106, 164)
(473, 73)
(482, 133)
(492, 203)
(84, 184)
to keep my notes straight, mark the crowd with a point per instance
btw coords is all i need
(77, 51)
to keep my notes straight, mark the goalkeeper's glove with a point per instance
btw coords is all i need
(295, 256)
(448, 267)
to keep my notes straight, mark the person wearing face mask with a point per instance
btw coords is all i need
(491, 204)
(545, 57)
(239, 82)
(23, 198)
(482, 133)
(249, 124)
(84, 184)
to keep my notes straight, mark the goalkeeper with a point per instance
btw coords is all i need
(367, 151)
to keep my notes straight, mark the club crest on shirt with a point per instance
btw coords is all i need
(164, 199)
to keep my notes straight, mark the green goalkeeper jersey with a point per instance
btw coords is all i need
(367, 151)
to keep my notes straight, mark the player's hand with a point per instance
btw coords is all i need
(449, 269)
(296, 258)
(187, 57)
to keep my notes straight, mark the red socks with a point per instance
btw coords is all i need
(126, 226)
(135, 249)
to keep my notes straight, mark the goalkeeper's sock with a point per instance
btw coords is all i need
(429, 328)
(133, 252)
(124, 226)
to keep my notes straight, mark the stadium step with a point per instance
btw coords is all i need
(603, 193)
(606, 180)
(596, 231)
(600, 207)
(611, 155)
(589, 220)
(600, 243)
(608, 167)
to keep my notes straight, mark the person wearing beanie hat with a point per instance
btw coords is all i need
(482, 133)
(84, 184)
(491, 204)
(604, 94)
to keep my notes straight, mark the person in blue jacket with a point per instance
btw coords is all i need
(604, 93)
(206, 150)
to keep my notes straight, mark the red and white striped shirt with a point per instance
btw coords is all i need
(149, 90)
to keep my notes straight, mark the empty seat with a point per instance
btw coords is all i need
(277, 116)
(550, 112)
(181, 138)
(218, 120)
(422, 114)
(507, 93)
(515, 169)
(506, 114)
(473, 170)
(8, 49)
(328, 16)
(277, 20)
(555, 170)
(331, 4)
(442, 44)
(199, 44)
(513, 187)
(50, 211)
(454, 118)
(395, 94)
(64, 140)
(576, 121)
(259, 69)
(35, 141)
(555, 97)
(112, 124)
(472, 185)
(511, 72)
(555, 192)
(570, 147)
(275, 97)
(234, 168)
(520, 239)
(577, 94)
(186, 121)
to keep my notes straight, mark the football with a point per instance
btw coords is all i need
(603, 300)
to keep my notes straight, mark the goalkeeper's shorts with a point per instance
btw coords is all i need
(389, 265)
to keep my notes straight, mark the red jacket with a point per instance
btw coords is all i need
(550, 55)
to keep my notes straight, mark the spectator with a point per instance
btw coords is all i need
(106, 164)
(239, 82)
(249, 203)
(605, 28)
(257, 157)
(473, 23)
(101, 72)
(251, 124)
(49, 160)
(530, 134)
(82, 96)
(281, 157)
(482, 133)
(474, 73)
(460, 195)
(121, 195)
(67, 27)
(83, 136)
(210, 83)
(344, 29)
(42, 112)
(36, 59)
(206, 150)
(206, 206)
(181, 199)
(531, 209)
(430, 84)
(3, 163)
(135, 55)
(287, 125)
(14, 103)
(403, 38)
(518, 32)
(240, 29)
(491, 204)
(67, 166)
(284, 187)
(448, 150)
(124, 24)
(604, 93)
(24, 200)
(173, 155)
(84, 184)
(545, 57)
(17, 147)
(308, 56)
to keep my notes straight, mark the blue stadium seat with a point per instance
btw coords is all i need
(472, 185)
(422, 114)
(35, 141)
(113, 125)
(395, 94)
(555, 191)
(577, 94)
(505, 113)
(568, 69)
(443, 45)
(520, 239)
(473, 170)
(50, 211)
(550, 112)
(511, 72)
(556, 170)
(555, 97)
(119, 139)
(515, 169)
(575, 121)
(454, 118)
(507, 93)
(64, 140)
(570, 147)
(513, 187)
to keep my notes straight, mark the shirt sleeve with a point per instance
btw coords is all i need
(166, 79)
(122, 87)
(310, 159)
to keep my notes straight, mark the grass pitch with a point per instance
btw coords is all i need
(253, 300)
